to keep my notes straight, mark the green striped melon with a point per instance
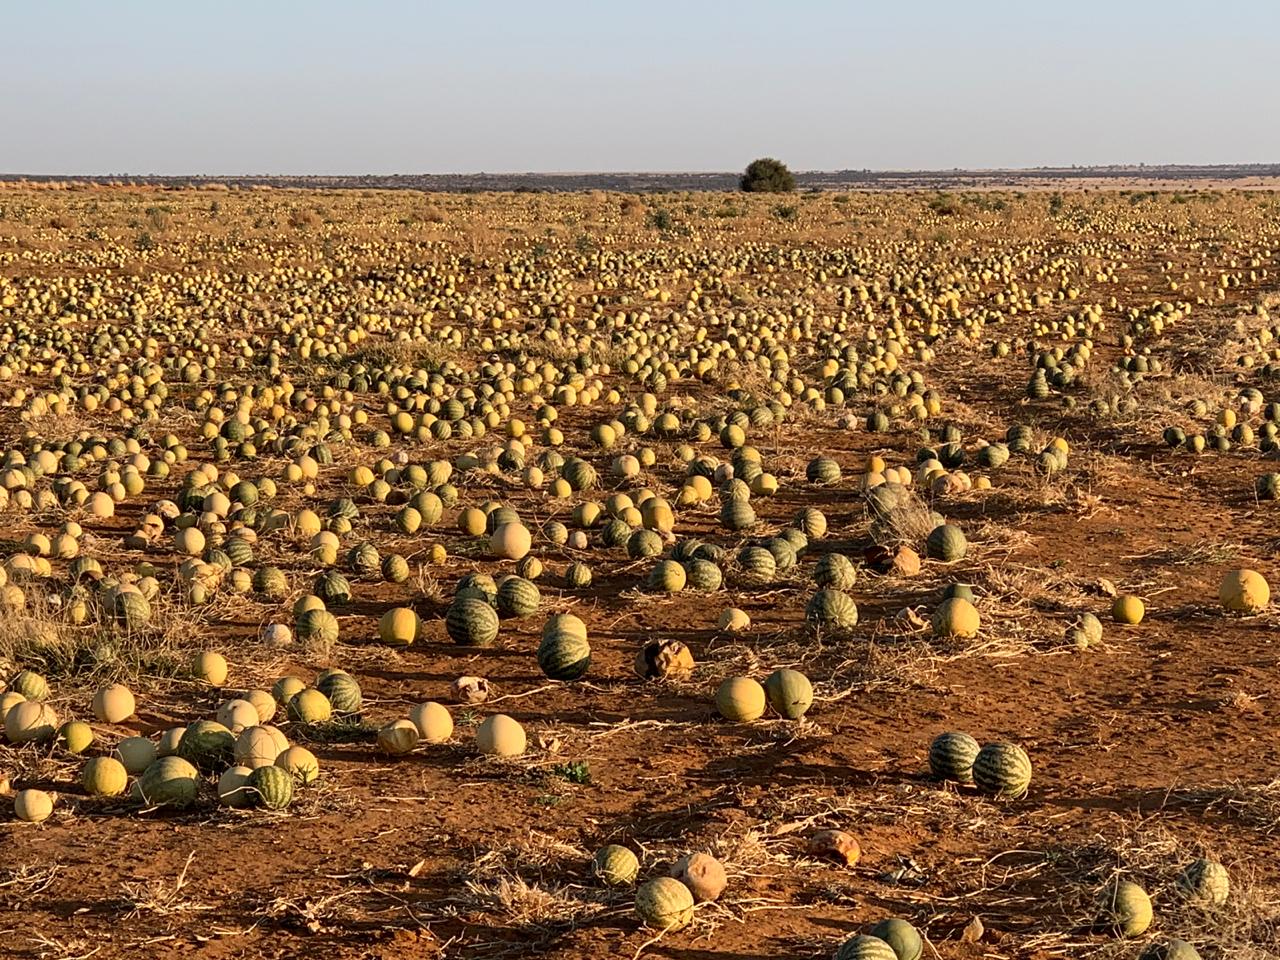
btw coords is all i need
(822, 471)
(784, 554)
(757, 565)
(737, 515)
(272, 787)
(664, 903)
(342, 691)
(835, 571)
(1002, 769)
(477, 586)
(831, 610)
(901, 936)
(333, 588)
(951, 756)
(789, 692)
(615, 866)
(271, 582)
(317, 626)
(577, 576)
(564, 655)
(30, 685)
(517, 597)
(703, 576)
(207, 745)
(947, 543)
(864, 947)
(644, 543)
(168, 782)
(812, 522)
(1174, 949)
(471, 622)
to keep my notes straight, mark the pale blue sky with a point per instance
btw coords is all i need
(392, 86)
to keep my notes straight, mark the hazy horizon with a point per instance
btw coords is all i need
(138, 88)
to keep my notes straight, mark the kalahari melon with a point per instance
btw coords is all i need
(1002, 769)
(951, 756)
(664, 903)
(789, 692)
(740, 699)
(501, 736)
(615, 866)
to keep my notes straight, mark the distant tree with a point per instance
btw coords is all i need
(767, 175)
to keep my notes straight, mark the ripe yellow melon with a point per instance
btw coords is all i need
(33, 806)
(434, 722)
(501, 736)
(1244, 591)
(740, 699)
(511, 541)
(210, 667)
(1128, 609)
(113, 704)
(104, 777)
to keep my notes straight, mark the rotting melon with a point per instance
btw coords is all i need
(1244, 591)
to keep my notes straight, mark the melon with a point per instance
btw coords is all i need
(472, 622)
(511, 541)
(30, 722)
(76, 736)
(901, 937)
(342, 691)
(501, 736)
(237, 714)
(955, 617)
(667, 577)
(169, 740)
(207, 745)
(1205, 881)
(399, 627)
(615, 866)
(740, 699)
(947, 543)
(789, 692)
(831, 610)
(30, 685)
(663, 659)
(703, 874)
(300, 763)
(168, 782)
(209, 667)
(233, 787)
(272, 786)
(951, 756)
(33, 806)
(1128, 609)
(835, 571)
(136, 753)
(113, 703)
(104, 777)
(310, 706)
(733, 621)
(264, 703)
(564, 653)
(433, 722)
(1244, 591)
(664, 904)
(398, 738)
(1125, 908)
(1174, 949)
(1002, 769)
(865, 947)
(517, 597)
(256, 747)
(282, 690)
(8, 700)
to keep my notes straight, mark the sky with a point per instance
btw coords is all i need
(395, 86)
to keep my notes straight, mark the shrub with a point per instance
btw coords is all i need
(767, 175)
